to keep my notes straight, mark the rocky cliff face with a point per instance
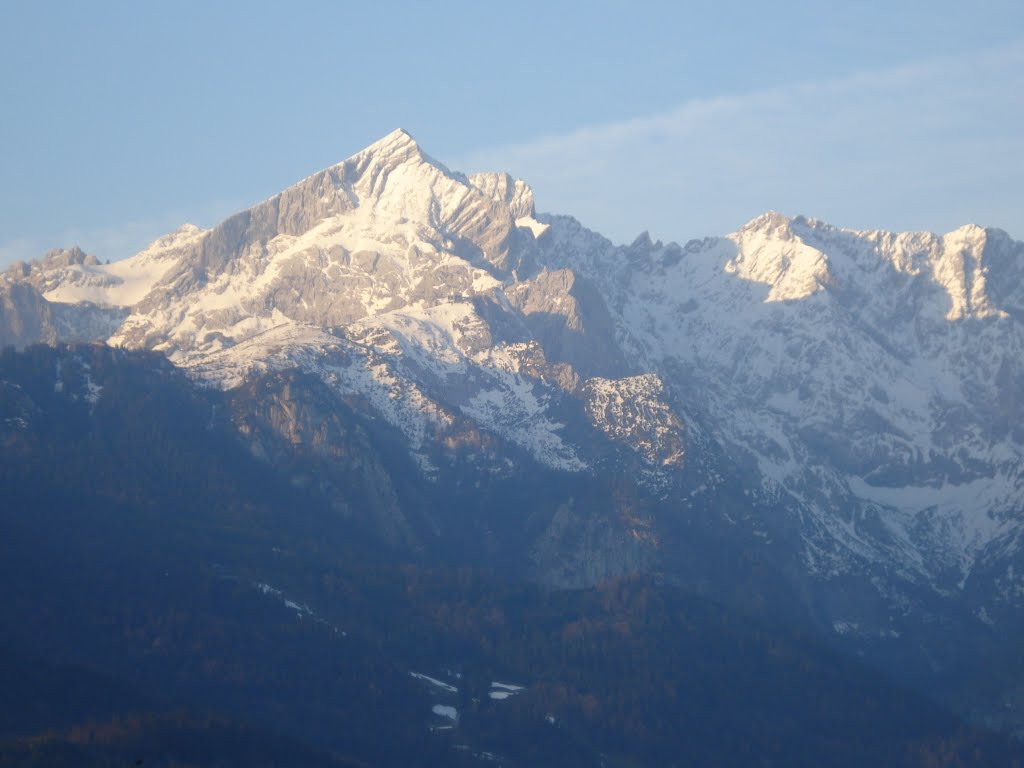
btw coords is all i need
(25, 316)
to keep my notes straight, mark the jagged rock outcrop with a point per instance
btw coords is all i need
(568, 316)
(25, 316)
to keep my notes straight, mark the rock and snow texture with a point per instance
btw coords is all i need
(871, 376)
(633, 411)
(869, 382)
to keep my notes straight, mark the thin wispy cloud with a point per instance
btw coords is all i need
(929, 146)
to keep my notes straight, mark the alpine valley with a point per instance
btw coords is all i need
(814, 432)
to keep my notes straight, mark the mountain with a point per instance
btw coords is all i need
(170, 601)
(806, 422)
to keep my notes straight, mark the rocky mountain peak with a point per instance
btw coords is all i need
(643, 242)
(396, 173)
(770, 223)
(501, 187)
(969, 232)
(958, 267)
(62, 257)
(771, 252)
(398, 142)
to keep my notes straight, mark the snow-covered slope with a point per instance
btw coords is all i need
(872, 376)
(121, 284)
(400, 257)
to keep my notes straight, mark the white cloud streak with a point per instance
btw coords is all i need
(933, 145)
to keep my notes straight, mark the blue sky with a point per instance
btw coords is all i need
(122, 121)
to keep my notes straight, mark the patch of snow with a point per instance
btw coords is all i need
(845, 627)
(536, 228)
(512, 408)
(301, 610)
(92, 390)
(443, 710)
(501, 691)
(435, 682)
(508, 687)
(126, 282)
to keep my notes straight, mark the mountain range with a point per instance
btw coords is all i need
(807, 423)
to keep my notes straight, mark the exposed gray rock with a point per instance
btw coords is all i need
(568, 316)
(25, 316)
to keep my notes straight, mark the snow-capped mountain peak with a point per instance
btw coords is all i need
(399, 141)
(867, 381)
(383, 229)
(769, 252)
(771, 223)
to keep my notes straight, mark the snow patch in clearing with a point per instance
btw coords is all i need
(508, 686)
(501, 691)
(434, 681)
(444, 710)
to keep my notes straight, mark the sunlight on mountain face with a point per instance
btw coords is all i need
(841, 406)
